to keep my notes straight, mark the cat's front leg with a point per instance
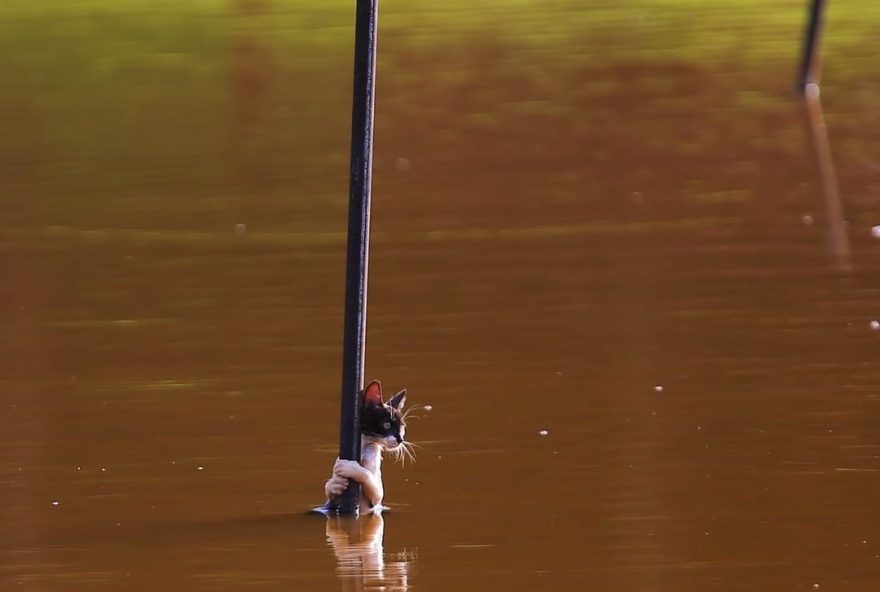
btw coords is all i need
(370, 484)
(335, 486)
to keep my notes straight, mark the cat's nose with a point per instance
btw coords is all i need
(399, 438)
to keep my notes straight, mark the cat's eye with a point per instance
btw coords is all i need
(386, 425)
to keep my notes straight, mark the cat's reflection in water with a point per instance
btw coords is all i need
(360, 556)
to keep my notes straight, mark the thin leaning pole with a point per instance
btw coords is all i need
(811, 59)
(358, 253)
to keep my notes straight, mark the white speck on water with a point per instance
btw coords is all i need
(428, 407)
(56, 503)
(658, 388)
(815, 586)
(875, 231)
(79, 468)
(875, 325)
(103, 469)
(543, 432)
(200, 468)
(807, 220)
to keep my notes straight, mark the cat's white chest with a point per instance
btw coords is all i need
(371, 458)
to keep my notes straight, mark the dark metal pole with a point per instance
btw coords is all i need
(810, 58)
(357, 262)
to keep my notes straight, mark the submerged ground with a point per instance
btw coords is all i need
(600, 220)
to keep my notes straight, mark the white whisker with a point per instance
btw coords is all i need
(407, 413)
(406, 452)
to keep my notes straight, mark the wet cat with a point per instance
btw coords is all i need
(383, 425)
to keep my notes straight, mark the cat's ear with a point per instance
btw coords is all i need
(398, 400)
(373, 394)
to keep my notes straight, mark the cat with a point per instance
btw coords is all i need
(383, 426)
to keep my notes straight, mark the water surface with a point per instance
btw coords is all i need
(601, 256)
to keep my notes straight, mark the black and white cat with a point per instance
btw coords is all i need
(383, 426)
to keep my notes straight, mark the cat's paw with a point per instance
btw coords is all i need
(335, 486)
(347, 468)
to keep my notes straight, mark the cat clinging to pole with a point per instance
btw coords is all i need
(383, 425)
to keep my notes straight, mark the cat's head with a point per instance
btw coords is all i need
(383, 422)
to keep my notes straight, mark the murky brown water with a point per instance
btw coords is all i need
(602, 221)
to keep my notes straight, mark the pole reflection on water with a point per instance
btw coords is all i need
(835, 223)
(360, 555)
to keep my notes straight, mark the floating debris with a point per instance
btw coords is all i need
(200, 468)
(875, 325)
(658, 388)
(56, 503)
(428, 407)
(875, 231)
(543, 432)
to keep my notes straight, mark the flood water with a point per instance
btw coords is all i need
(602, 256)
